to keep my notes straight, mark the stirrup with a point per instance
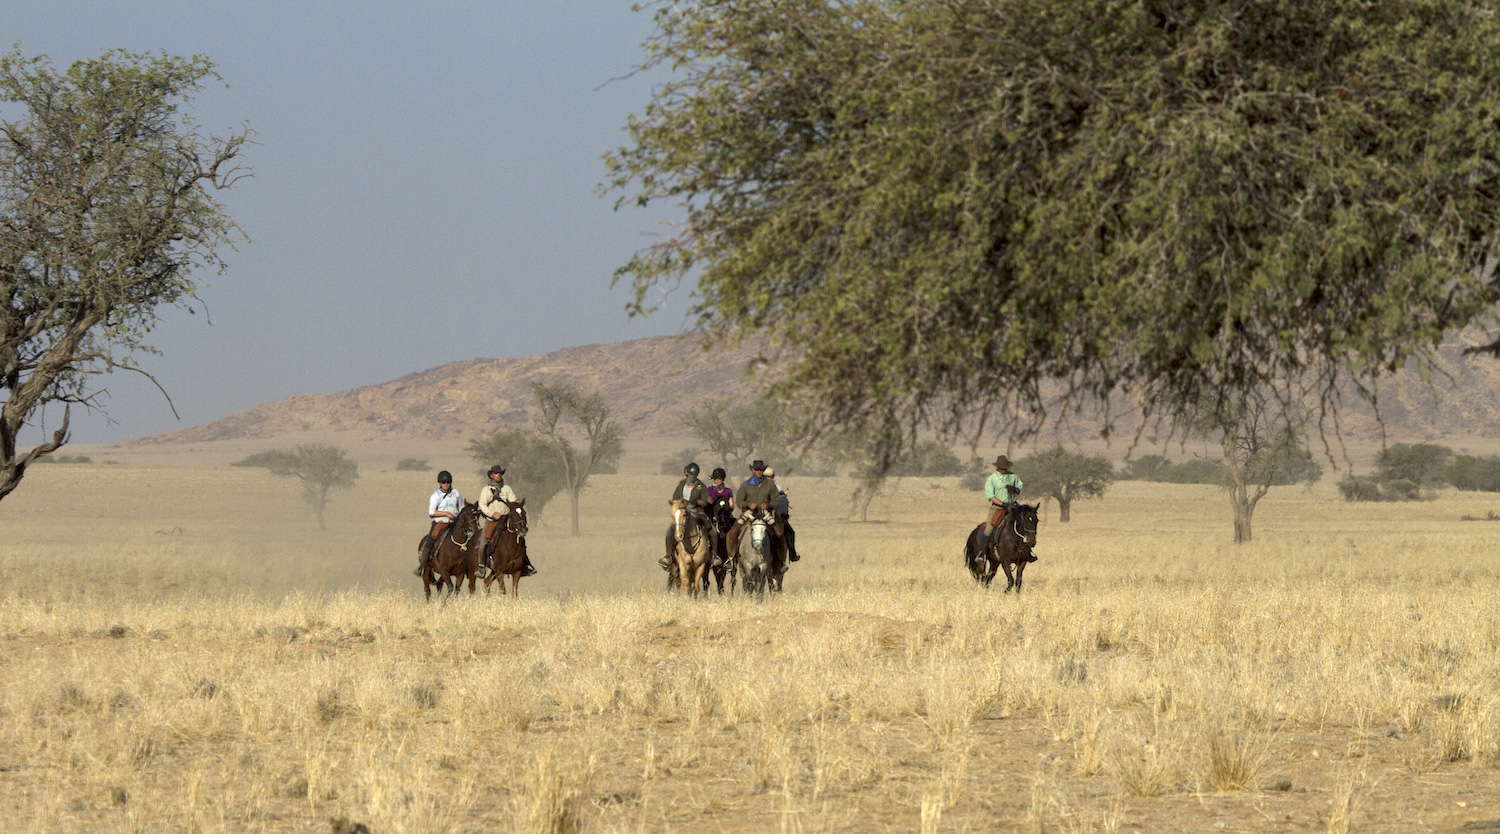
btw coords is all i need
(529, 571)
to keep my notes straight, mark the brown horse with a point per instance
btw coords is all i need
(506, 552)
(695, 548)
(1010, 546)
(453, 556)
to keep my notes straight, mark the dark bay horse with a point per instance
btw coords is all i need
(505, 553)
(723, 519)
(1009, 547)
(454, 556)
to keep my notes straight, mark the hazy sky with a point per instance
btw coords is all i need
(424, 189)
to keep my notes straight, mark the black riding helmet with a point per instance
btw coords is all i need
(691, 469)
(445, 477)
(718, 474)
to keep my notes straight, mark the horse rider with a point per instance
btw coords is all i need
(718, 491)
(691, 492)
(783, 513)
(492, 504)
(442, 508)
(756, 493)
(1000, 491)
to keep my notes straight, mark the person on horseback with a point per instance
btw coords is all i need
(442, 509)
(718, 492)
(757, 493)
(690, 491)
(492, 504)
(1000, 491)
(783, 513)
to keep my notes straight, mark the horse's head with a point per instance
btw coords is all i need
(679, 514)
(1025, 521)
(515, 520)
(468, 518)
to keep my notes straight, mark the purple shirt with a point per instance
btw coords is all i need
(717, 492)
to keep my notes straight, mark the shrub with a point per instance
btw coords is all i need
(1148, 468)
(1194, 472)
(1360, 489)
(672, 465)
(411, 464)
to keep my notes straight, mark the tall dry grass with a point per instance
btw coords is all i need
(252, 674)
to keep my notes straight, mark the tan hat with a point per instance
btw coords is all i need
(1002, 462)
(770, 473)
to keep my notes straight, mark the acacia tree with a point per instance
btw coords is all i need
(1263, 446)
(945, 212)
(320, 467)
(578, 428)
(106, 217)
(1066, 477)
(530, 462)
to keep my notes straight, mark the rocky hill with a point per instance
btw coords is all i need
(649, 383)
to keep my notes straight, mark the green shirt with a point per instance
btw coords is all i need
(995, 487)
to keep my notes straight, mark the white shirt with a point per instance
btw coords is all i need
(450, 502)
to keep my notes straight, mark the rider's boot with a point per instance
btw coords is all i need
(528, 570)
(665, 562)
(423, 554)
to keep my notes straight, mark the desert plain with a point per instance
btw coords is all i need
(184, 650)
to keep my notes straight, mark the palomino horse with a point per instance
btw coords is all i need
(758, 552)
(453, 557)
(1010, 545)
(695, 548)
(506, 552)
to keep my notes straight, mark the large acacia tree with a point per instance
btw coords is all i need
(949, 211)
(106, 217)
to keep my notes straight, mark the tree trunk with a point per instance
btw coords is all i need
(573, 497)
(1064, 508)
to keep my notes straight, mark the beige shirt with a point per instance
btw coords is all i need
(490, 499)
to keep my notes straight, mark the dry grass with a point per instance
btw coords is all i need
(251, 674)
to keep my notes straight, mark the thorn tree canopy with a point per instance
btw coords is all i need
(105, 216)
(937, 207)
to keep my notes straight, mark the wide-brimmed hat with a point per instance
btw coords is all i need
(1002, 462)
(497, 469)
(757, 464)
(770, 473)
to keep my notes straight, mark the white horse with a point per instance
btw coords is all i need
(756, 542)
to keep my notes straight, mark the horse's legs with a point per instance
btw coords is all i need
(1020, 571)
(1010, 580)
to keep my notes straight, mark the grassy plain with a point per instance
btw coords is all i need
(184, 651)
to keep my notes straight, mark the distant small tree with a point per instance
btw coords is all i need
(1474, 474)
(1262, 446)
(580, 432)
(320, 467)
(1421, 463)
(411, 464)
(736, 434)
(1066, 477)
(530, 465)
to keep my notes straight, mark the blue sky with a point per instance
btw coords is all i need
(424, 190)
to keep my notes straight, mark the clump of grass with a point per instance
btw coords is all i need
(1233, 761)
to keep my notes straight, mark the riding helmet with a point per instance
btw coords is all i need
(445, 477)
(718, 474)
(691, 469)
